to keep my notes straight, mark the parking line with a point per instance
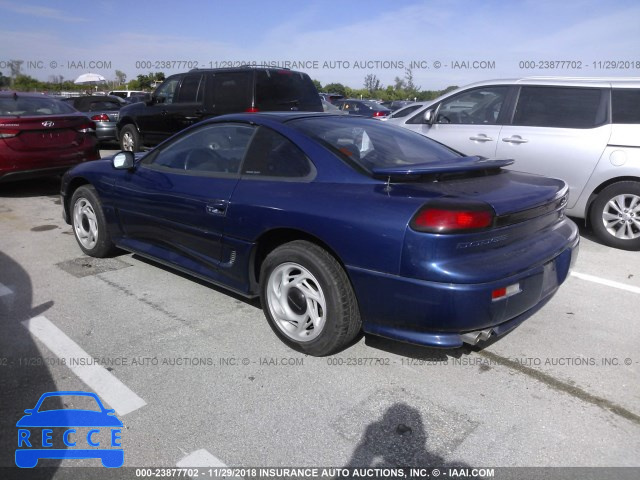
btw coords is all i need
(4, 290)
(604, 281)
(200, 458)
(108, 387)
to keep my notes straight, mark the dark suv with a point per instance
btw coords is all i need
(186, 98)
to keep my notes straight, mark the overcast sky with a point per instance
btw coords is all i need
(453, 42)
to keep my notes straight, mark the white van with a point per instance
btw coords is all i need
(585, 131)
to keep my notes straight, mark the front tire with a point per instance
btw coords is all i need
(130, 138)
(308, 299)
(615, 215)
(89, 224)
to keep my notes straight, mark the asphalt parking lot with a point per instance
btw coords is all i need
(198, 378)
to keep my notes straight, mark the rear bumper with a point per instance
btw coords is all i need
(436, 314)
(18, 165)
(17, 175)
(105, 131)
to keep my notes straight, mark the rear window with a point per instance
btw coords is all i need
(561, 107)
(32, 106)
(370, 144)
(625, 106)
(286, 90)
(104, 105)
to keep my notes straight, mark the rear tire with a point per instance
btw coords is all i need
(615, 215)
(308, 299)
(130, 138)
(89, 223)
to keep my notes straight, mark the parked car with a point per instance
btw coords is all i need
(41, 136)
(585, 131)
(337, 223)
(331, 97)
(331, 108)
(367, 108)
(104, 111)
(186, 98)
(404, 111)
(394, 105)
(125, 94)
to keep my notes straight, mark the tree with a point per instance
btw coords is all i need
(318, 85)
(399, 84)
(15, 66)
(449, 89)
(121, 77)
(411, 88)
(4, 81)
(336, 88)
(371, 83)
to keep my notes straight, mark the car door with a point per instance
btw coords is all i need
(559, 132)
(187, 106)
(469, 121)
(153, 120)
(173, 205)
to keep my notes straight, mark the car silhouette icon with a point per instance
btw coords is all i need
(98, 421)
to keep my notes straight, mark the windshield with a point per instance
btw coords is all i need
(17, 106)
(372, 144)
(67, 402)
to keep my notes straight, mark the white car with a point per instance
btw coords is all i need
(584, 131)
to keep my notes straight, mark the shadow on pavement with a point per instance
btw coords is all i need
(24, 376)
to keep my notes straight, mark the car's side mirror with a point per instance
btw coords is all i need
(123, 160)
(152, 100)
(429, 116)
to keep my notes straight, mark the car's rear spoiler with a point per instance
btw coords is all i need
(456, 165)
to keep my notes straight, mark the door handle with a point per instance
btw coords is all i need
(515, 139)
(197, 115)
(481, 137)
(218, 207)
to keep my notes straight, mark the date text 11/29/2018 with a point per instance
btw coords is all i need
(579, 65)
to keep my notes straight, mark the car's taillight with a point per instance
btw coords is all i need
(505, 292)
(252, 110)
(89, 127)
(8, 133)
(452, 219)
(380, 114)
(103, 117)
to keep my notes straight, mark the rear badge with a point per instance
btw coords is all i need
(48, 123)
(481, 243)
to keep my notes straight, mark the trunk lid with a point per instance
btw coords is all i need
(44, 132)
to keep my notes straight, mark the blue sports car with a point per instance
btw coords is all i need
(338, 223)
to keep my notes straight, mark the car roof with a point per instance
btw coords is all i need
(594, 82)
(280, 117)
(11, 93)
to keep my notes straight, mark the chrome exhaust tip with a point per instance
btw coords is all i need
(472, 338)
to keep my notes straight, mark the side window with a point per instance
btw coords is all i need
(625, 106)
(478, 106)
(166, 91)
(190, 90)
(231, 92)
(214, 149)
(560, 107)
(272, 155)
